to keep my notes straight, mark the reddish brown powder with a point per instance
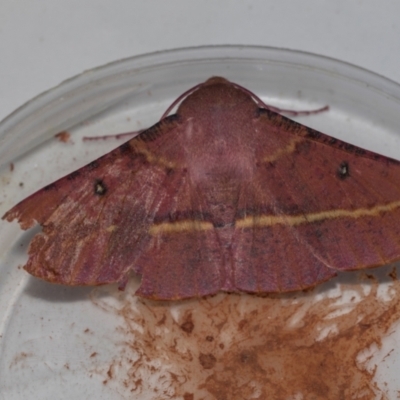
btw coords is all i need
(297, 347)
(63, 136)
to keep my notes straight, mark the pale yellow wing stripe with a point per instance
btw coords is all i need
(271, 220)
(288, 149)
(293, 220)
(180, 226)
(141, 148)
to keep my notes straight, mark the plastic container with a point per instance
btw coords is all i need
(49, 333)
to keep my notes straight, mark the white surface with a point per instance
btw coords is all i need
(43, 42)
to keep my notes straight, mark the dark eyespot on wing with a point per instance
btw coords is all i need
(100, 188)
(343, 171)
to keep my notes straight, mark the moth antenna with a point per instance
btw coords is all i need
(180, 98)
(134, 134)
(168, 110)
(117, 136)
(293, 113)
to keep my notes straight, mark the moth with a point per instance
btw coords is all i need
(223, 195)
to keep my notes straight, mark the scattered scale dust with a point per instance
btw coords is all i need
(313, 345)
(64, 136)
